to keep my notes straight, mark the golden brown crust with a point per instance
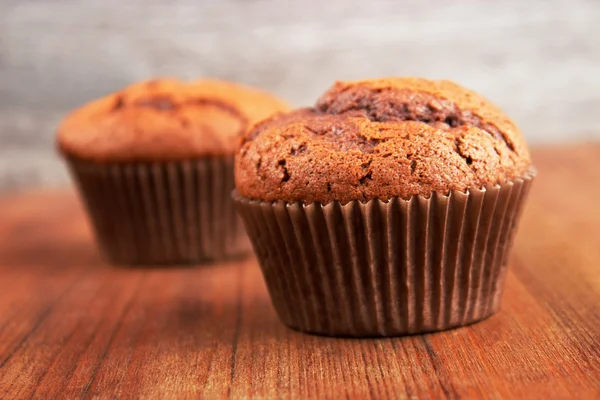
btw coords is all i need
(381, 139)
(165, 120)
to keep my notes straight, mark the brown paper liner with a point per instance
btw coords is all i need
(385, 269)
(162, 213)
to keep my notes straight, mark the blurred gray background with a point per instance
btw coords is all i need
(538, 59)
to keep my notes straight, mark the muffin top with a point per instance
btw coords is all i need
(165, 120)
(379, 139)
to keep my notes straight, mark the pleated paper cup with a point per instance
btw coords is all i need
(386, 268)
(162, 213)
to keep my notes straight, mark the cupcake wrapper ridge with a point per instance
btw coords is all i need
(162, 213)
(386, 268)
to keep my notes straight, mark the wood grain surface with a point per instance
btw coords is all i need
(72, 326)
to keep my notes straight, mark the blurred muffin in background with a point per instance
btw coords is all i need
(154, 166)
(387, 209)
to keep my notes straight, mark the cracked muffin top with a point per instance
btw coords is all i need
(165, 120)
(379, 139)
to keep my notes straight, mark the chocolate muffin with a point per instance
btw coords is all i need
(154, 165)
(386, 209)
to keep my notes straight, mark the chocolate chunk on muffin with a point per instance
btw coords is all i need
(420, 181)
(154, 165)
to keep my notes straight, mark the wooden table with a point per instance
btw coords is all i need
(72, 326)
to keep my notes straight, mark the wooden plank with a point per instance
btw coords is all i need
(72, 326)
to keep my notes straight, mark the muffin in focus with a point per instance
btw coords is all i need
(154, 166)
(388, 208)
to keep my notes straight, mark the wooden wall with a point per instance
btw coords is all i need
(539, 59)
